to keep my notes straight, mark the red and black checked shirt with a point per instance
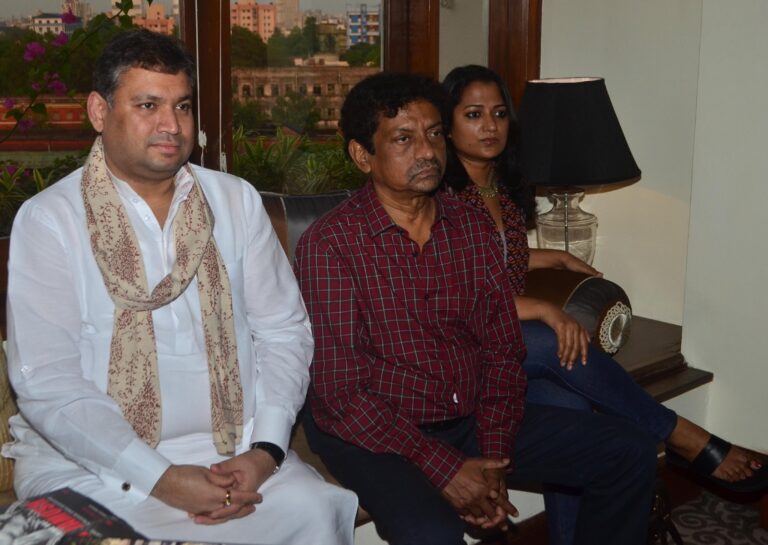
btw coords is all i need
(404, 337)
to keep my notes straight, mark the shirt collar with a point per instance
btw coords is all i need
(183, 184)
(379, 220)
(372, 209)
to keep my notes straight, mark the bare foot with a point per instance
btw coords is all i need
(687, 439)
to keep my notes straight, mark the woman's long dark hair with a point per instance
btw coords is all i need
(456, 177)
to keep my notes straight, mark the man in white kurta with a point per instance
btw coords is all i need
(70, 432)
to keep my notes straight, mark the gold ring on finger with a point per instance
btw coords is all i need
(228, 499)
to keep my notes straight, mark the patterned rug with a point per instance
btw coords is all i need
(710, 520)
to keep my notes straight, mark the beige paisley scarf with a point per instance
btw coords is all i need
(133, 376)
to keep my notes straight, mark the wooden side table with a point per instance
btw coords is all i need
(652, 356)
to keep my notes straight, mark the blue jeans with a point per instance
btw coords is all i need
(609, 459)
(603, 385)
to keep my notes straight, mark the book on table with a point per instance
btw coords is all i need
(63, 516)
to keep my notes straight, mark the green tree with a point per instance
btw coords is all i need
(277, 50)
(363, 55)
(297, 46)
(296, 112)
(248, 49)
(328, 44)
(249, 116)
(13, 67)
(311, 36)
(78, 72)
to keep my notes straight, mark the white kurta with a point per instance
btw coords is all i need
(59, 330)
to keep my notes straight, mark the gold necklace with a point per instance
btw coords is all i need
(492, 189)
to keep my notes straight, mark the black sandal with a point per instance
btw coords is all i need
(710, 458)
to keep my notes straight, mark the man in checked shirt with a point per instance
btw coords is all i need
(417, 400)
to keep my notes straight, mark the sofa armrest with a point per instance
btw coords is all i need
(601, 306)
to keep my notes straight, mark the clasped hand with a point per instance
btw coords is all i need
(479, 493)
(204, 493)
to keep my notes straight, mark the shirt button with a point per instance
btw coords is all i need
(126, 487)
(455, 398)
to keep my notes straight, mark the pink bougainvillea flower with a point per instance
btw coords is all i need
(36, 86)
(57, 87)
(25, 124)
(68, 17)
(9, 103)
(60, 40)
(33, 51)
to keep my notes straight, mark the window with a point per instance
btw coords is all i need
(514, 28)
(295, 69)
(301, 64)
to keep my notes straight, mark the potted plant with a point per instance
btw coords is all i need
(292, 164)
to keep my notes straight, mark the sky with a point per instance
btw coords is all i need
(19, 8)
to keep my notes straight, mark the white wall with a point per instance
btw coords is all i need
(648, 54)
(688, 79)
(463, 34)
(724, 324)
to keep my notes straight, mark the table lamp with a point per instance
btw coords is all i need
(570, 137)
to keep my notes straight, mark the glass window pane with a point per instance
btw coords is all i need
(305, 55)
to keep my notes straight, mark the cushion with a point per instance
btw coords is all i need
(292, 214)
(599, 305)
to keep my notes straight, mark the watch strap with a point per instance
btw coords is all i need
(272, 449)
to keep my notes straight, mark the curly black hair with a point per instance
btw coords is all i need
(456, 177)
(140, 48)
(384, 94)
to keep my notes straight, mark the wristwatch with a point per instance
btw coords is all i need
(273, 450)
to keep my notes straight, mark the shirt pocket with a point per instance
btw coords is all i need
(451, 307)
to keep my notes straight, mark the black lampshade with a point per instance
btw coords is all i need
(570, 135)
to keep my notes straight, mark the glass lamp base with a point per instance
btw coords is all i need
(566, 226)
